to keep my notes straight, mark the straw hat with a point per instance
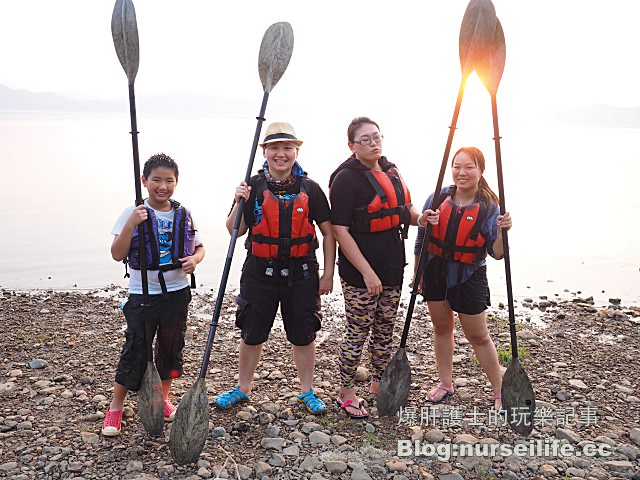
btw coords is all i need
(280, 132)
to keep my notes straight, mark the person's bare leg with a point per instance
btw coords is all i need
(119, 394)
(443, 323)
(305, 359)
(166, 388)
(249, 356)
(476, 331)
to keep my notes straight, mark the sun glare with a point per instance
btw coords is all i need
(475, 123)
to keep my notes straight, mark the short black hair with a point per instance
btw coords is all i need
(159, 160)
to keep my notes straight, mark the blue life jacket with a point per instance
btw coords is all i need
(183, 243)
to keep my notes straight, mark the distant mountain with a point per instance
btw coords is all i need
(599, 115)
(23, 100)
(184, 103)
(171, 103)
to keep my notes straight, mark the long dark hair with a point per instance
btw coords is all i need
(484, 190)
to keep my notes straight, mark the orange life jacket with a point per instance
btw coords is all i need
(285, 228)
(389, 207)
(457, 235)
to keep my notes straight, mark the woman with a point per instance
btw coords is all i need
(370, 213)
(281, 269)
(467, 227)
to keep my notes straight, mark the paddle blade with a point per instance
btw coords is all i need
(394, 385)
(476, 34)
(518, 398)
(124, 30)
(275, 52)
(490, 70)
(151, 401)
(190, 425)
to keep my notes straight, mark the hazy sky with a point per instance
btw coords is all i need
(396, 61)
(560, 53)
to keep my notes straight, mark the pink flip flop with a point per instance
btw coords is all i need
(349, 403)
(448, 392)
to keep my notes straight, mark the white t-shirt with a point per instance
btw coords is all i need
(174, 279)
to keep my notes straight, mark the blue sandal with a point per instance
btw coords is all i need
(314, 404)
(229, 399)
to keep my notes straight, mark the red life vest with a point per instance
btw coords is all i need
(388, 208)
(285, 228)
(457, 235)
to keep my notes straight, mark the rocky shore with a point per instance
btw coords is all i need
(59, 349)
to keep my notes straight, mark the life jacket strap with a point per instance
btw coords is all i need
(482, 213)
(405, 221)
(282, 242)
(452, 247)
(376, 186)
(163, 284)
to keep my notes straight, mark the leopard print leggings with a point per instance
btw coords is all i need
(366, 313)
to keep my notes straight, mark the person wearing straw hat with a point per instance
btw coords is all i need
(281, 269)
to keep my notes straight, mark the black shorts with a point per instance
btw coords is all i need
(166, 315)
(258, 304)
(471, 297)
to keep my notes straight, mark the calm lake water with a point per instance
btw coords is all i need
(572, 191)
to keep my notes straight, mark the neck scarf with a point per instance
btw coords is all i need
(280, 186)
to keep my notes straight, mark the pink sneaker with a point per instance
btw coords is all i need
(111, 424)
(169, 411)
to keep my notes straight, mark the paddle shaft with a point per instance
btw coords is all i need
(141, 226)
(505, 238)
(422, 258)
(138, 186)
(232, 243)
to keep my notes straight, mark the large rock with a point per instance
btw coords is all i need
(565, 433)
(319, 438)
(272, 443)
(335, 467)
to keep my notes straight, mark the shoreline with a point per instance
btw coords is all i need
(554, 277)
(525, 300)
(580, 358)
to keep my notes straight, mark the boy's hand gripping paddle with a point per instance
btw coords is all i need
(124, 30)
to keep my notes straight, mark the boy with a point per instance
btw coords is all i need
(172, 253)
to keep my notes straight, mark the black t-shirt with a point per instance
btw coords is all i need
(319, 212)
(350, 189)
